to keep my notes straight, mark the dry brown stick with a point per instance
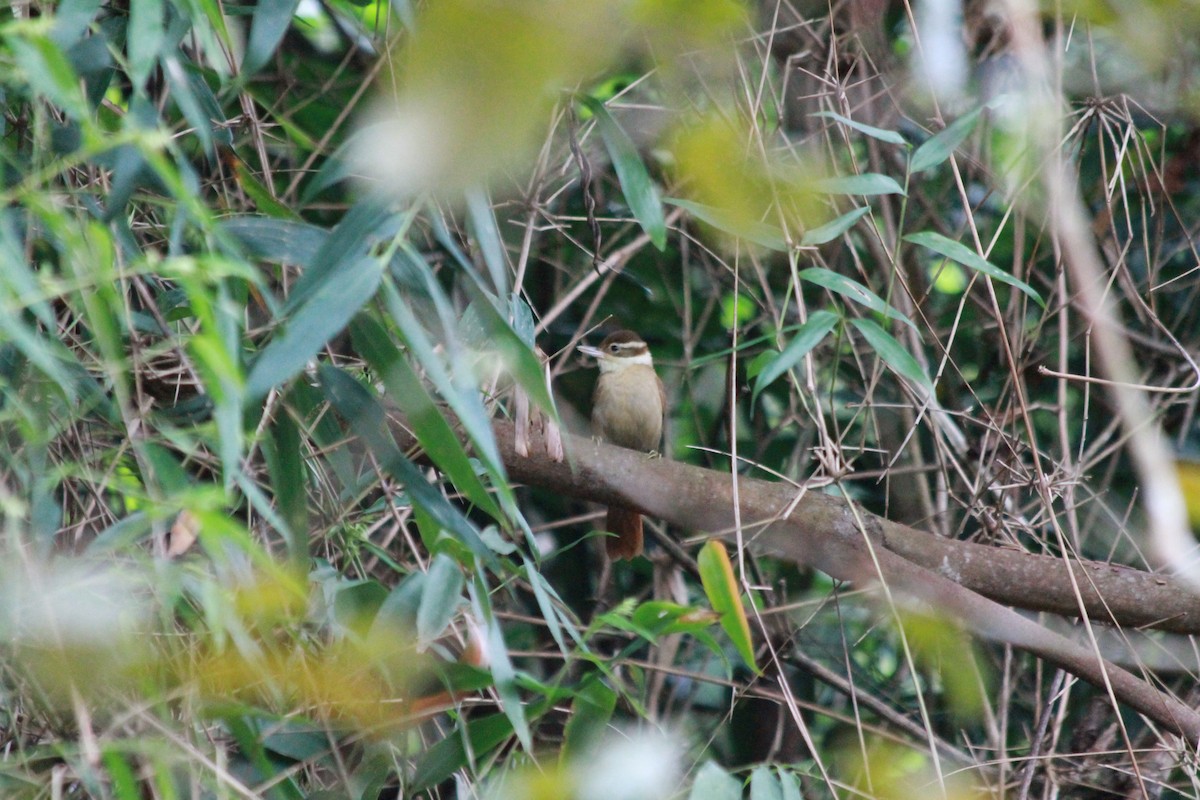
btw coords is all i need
(826, 533)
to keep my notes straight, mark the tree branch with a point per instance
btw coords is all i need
(847, 543)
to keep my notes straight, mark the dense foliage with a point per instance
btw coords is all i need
(269, 271)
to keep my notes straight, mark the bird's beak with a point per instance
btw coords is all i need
(588, 350)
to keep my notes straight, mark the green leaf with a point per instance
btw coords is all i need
(811, 333)
(833, 229)
(764, 785)
(869, 183)
(714, 783)
(853, 291)
(721, 587)
(440, 598)
(257, 191)
(892, 352)
(662, 618)
(789, 785)
(464, 400)
(640, 192)
(501, 664)
(891, 137)
(434, 433)
(760, 233)
(144, 38)
(590, 713)
(961, 254)
(327, 312)
(366, 418)
(482, 221)
(359, 230)
(450, 754)
(938, 148)
(195, 99)
(542, 591)
(286, 468)
(71, 20)
(281, 241)
(514, 354)
(270, 23)
(46, 68)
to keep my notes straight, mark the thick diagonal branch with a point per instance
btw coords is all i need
(827, 533)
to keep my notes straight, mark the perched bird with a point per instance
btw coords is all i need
(627, 410)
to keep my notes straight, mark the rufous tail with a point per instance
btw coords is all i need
(627, 525)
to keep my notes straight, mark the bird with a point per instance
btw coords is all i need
(628, 407)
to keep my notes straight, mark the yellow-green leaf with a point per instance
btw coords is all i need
(716, 573)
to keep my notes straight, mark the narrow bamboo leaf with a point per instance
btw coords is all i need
(640, 192)
(313, 324)
(189, 104)
(399, 610)
(440, 598)
(883, 135)
(789, 785)
(432, 430)
(892, 352)
(721, 588)
(257, 191)
(366, 418)
(451, 754)
(811, 333)
(714, 783)
(868, 183)
(281, 241)
(541, 593)
(47, 69)
(764, 785)
(285, 465)
(71, 20)
(47, 354)
(270, 23)
(834, 228)
(124, 785)
(483, 224)
(514, 354)
(853, 291)
(362, 226)
(760, 233)
(961, 254)
(144, 38)
(463, 401)
(590, 714)
(502, 668)
(938, 148)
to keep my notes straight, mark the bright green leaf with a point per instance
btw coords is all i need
(853, 291)
(938, 148)
(892, 352)
(869, 183)
(811, 333)
(961, 254)
(326, 313)
(891, 137)
(440, 598)
(760, 233)
(721, 588)
(433, 431)
(834, 228)
(270, 23)
(640, 192)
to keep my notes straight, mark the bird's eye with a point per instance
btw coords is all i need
(612, 348)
